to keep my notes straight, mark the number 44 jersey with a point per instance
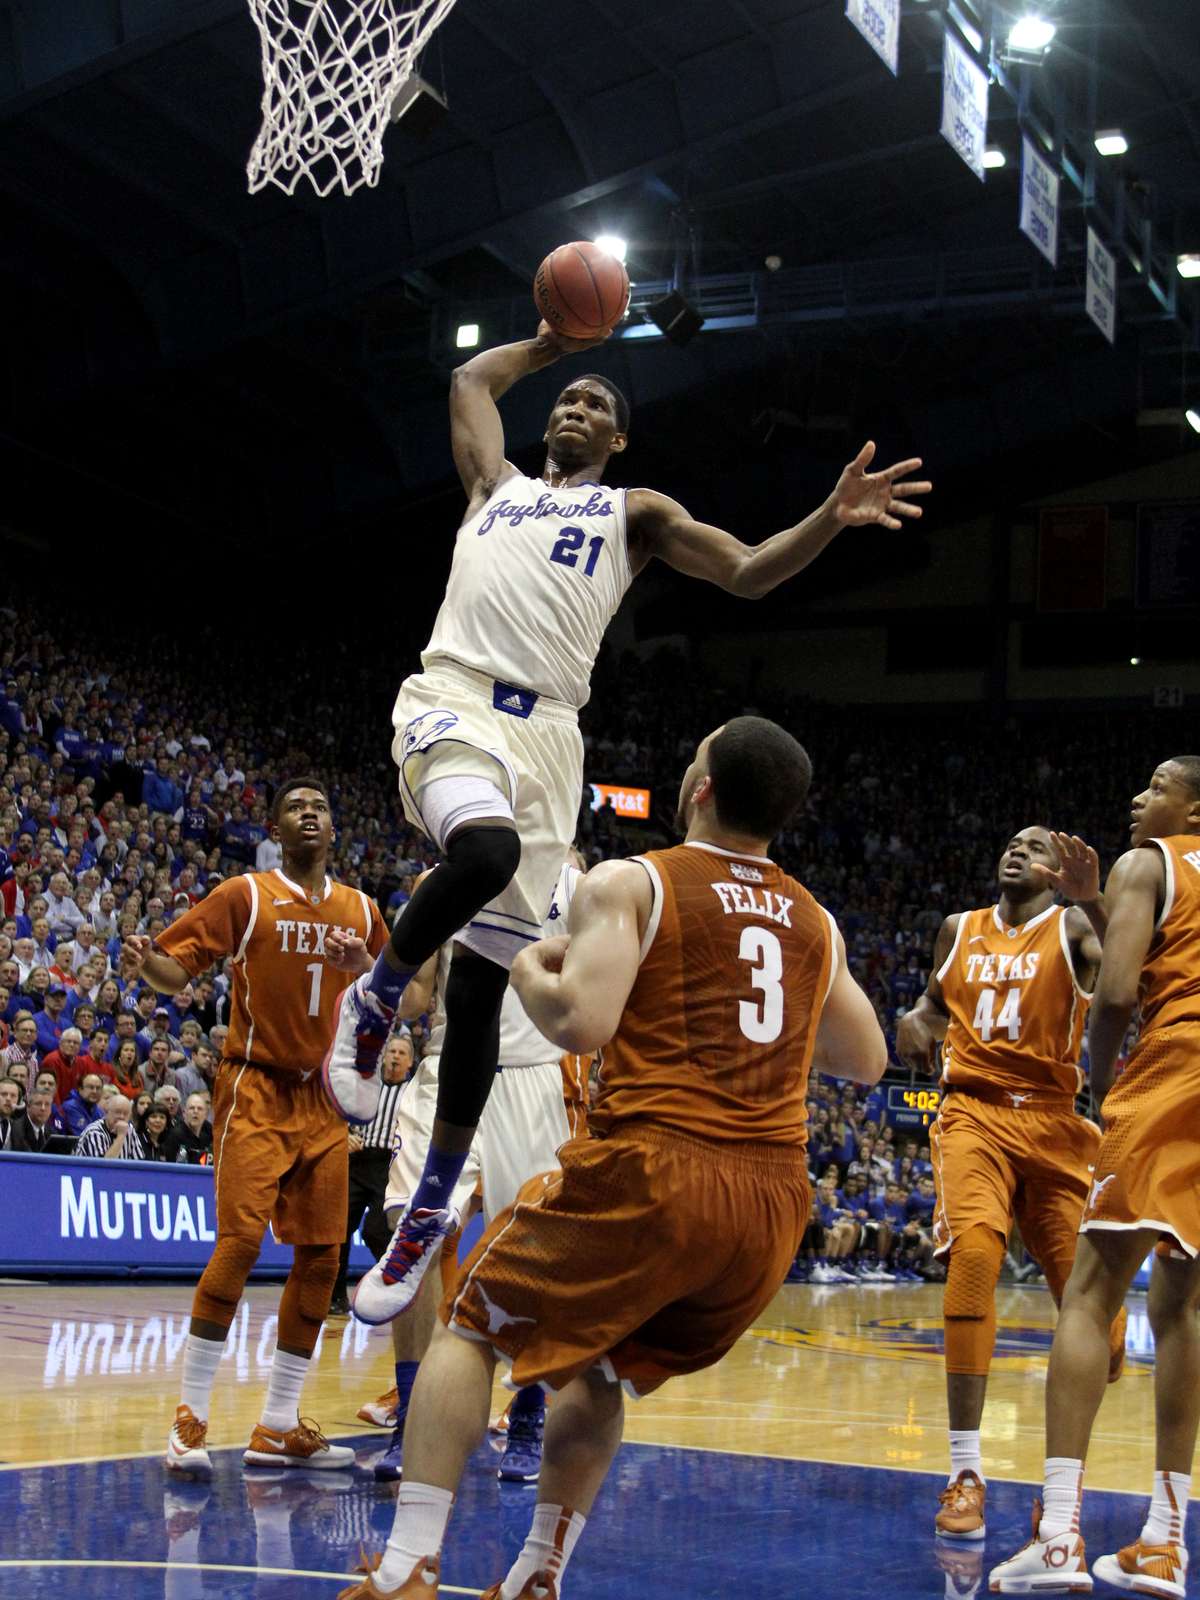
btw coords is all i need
(717, 1036)
(1017, 1013)
(537, 576)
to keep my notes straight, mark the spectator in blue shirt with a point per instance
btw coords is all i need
(50, 1020)
(82, 1105)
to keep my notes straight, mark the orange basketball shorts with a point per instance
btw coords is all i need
(994, 1163)
(1148, 1167)
(280, 1155)
(649, 1253)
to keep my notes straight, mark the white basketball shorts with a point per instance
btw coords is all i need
(519, 1134)
(451, 721)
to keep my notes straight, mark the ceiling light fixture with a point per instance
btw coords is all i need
(1193, 419)
(1031, 33)
(1189, 266)
(467, 335)
(612, 244)
(1112, 142)
(994, 157)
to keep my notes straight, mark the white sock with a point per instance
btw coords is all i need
(553, 1537)
(281, 1408)
(1168, 1508)
(201, 1358)
(1060, 1500)
(965, 1453)
(422, 1513)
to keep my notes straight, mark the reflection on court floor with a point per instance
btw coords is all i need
(810, 1459)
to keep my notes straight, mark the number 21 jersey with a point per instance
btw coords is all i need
(717, 1036)
(537, 576)
(1016, 1011)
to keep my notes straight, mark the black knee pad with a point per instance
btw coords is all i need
(490, 855)
(480, 864)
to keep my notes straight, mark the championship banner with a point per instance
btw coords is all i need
(879, 23)
(1039, 201)
(964, 103)
(632, 803)
(84, 1217)
(1072, 558)
(1101, 286)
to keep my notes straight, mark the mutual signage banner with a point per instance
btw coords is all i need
(74, 1216)
(964, 103)
(879, 23)
(1101, 286)
(1039, 200)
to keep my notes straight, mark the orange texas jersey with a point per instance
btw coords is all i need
(1016, 1011)
(718, 1031)
(284, 988)
(1169, 990)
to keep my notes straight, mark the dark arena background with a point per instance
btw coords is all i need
(227, 513)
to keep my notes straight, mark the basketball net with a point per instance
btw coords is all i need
(331, 72)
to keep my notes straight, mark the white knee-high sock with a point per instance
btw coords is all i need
(551, 1541)
(1168, 1508)
(201, 1358)
(965, 1452)
(422, 1513)
(281, 1408)
(1060, 1500)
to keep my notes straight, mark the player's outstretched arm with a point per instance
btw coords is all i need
(476, 431)
(1135, 887)
(574, 989)
(850, 1042)
(666, 530)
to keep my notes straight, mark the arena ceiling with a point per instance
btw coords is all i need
(194, 363)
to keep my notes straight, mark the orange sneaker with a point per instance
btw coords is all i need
(417, 1586)
(302, 1446)
(962, 1506)
(187, 1444)
(1146, 1569)
(1116, 1345)
(381, 1413)
(540, 1587)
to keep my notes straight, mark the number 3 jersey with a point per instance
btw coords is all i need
(537, 576)
(717, 1035)
(1017, 1012)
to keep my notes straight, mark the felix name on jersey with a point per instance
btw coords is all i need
(738, 899)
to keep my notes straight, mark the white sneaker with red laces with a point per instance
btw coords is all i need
(187, 1445)
(392, 1283)
(1044, 1566)
(350, 1071)
(1146, 1569)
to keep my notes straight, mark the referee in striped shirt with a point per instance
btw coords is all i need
(112, 1137)
(370, 1158)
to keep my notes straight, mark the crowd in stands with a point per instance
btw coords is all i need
(132, 780)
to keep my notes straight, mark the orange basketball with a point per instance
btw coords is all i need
(581, 290)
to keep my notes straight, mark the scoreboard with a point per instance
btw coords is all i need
(912, 1108)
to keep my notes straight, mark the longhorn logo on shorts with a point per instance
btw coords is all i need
(1098, 1187)
(498, 1318)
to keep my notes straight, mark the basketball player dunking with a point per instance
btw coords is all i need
(1145, 1196)
(1009, 994)
(714, 982)
(487, 738)
(280, 1154)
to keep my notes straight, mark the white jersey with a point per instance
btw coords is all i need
(521, 1045)
(537, 576)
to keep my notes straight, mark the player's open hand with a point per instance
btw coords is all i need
(1078, 875)
(134, 951)
(916, 1045)
(862, 497)
(561, 342)
(347, 952)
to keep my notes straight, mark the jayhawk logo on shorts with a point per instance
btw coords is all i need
(425, 730)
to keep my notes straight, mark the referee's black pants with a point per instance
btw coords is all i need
(368, 1184)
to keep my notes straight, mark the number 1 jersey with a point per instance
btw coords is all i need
(717, 1036)
(1017, 1013)
(537, 576)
